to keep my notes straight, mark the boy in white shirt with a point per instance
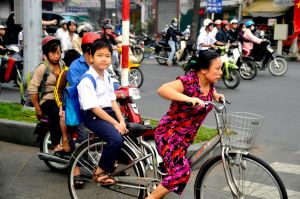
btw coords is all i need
(103, 115)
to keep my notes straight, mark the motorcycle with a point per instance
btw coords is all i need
(183, 53)
(264, 56)
(11, 64)
(59, 161)
(247, 67)
(230, 77)
(136, 48)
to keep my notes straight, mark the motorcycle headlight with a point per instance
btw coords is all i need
(134, 93)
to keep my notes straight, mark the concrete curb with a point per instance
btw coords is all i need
(22, 133)
(18, 132)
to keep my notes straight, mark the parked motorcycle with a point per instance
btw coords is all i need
(126, 97)
(183, 53)
(11, 64)
(264, 56)
(136, 48)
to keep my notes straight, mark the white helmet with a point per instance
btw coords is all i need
(234, 21)
(206, 22)
(218, 22)
(2, 27)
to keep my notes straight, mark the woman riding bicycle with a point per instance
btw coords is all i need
(177, 129)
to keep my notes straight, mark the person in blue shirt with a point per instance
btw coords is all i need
(81, 65)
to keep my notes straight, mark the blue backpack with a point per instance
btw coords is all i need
(73, 114)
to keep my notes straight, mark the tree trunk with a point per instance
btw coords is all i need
(195, 22)
(102, 10)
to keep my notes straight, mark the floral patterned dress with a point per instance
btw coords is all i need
(177, 130)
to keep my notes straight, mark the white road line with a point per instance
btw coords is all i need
(286, 168)
(267, 191)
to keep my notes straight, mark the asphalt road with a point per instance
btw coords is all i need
(275, 98)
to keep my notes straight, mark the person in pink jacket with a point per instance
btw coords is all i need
(248, 37)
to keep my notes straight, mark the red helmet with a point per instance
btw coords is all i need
(90, 37)
(49, 40)
(224, 23)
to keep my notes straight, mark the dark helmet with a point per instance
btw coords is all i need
(47, 41)
(90, 37)
(107, 26)
(174, 20)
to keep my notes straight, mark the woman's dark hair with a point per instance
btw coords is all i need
(203, 60)
(70, 56)
(99, 44)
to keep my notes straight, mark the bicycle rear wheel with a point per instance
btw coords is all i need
(86, 159)
(253, 178)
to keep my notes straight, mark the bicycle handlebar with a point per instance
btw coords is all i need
(218, 106)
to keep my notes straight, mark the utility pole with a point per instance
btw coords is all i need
(125, 41)
(32, 33)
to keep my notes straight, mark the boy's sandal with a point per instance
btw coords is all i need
(107, 180)
(65, 145)
(78, 182)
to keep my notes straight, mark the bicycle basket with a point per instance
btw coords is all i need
(240, 129)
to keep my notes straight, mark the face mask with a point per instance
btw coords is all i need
(252, 28)
(243, 29)
(174, 24)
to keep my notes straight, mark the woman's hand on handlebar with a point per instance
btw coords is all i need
(219, 97)
(194, 101)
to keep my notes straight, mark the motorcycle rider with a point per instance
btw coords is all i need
(2, 33)
(205, 39)
(216, 28)
(76, 43)
(248, 37)
(62, 34)
(172, 39)
(222, 35)
(233, 33)
(187, 32)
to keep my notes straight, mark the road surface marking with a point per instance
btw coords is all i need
(286, 168)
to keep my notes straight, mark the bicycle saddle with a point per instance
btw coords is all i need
(136, 129)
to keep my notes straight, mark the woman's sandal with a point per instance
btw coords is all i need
(106, 179)
(65, 145)
(58, 148)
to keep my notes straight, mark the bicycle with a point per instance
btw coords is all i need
(233, 173)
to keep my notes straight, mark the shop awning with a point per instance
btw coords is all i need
(264, 8)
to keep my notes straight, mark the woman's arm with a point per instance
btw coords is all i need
(174, 91)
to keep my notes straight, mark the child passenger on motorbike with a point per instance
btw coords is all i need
(102, 113)
(177, 129)
(47, 105)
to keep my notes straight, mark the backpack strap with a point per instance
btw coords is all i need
(91, 78)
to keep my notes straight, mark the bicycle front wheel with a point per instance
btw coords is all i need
(83, 163)
(253, 178)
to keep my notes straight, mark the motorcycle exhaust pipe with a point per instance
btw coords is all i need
(52, 158)
(159, 57)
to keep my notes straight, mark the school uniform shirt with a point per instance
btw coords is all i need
(89, 97)
(205, 38)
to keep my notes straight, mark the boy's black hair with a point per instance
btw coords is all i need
(203, 60)
(70, 56)
(86, 48)
(99, 44)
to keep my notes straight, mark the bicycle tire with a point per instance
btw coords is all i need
(211, 181)
(91, 189)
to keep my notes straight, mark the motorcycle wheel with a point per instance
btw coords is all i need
(233, 81)
(139, 54)
(136, 77)
(46, 147)
(248, 69)
(278, 66)
(164, 54)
